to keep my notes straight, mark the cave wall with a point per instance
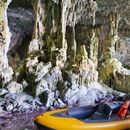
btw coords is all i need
(53, 26)
(6, 71)
(69, 47)
(21, 23)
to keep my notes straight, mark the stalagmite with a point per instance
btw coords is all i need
(111, 60)
(6, 71)
(84, 82)
(94, 49)
(88, 73)
(117, 65)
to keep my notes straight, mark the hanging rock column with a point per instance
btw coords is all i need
(38, 31)
(5, 70)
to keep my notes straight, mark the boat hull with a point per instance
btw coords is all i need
(47, 121)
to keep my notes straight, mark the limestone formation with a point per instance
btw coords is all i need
(6, 71)
(123, 51)
(88, 73)
(31, 63)
(74, 12)
(38, 32)
(62, 57)
(34, 46)
(59, 69)
(112, 64)
(93, 8)
(94, 45)
(48, 84)
(14, 87)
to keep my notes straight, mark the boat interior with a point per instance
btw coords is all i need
(104, 112)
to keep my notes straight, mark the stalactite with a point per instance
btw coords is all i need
(39, 12)
(70, 16)
(38, 31)
(5, 35)
(72, 13)
(74, 46)
(93, 8)
(65, 10)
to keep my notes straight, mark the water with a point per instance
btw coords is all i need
(18, 120)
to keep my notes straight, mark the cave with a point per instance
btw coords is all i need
(62, 53)
(21, 19)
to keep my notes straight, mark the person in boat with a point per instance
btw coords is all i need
(124, 109)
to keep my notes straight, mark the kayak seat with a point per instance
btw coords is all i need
(102, 111)
(81, 112)
(106, 110)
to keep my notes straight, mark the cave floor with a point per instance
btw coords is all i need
(18, 121)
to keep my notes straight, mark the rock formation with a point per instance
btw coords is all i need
(6, 71)
(112, 65)
(38, 32)
(72, 54)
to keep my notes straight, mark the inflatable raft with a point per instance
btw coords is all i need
(100, 117)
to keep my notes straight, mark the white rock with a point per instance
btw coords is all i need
(24, 83)
(41, 87)
(5, 70)
(1, 110)
(31, 63)
(3, 91)
(34, 45)
(42, 70)
(91, 96)
(6, 74)
(9, 107)
(21, 101)
(14, 87)
(47, 83)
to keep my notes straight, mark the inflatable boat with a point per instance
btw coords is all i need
(99, 117)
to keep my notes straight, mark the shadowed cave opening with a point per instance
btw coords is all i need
(21, 21)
